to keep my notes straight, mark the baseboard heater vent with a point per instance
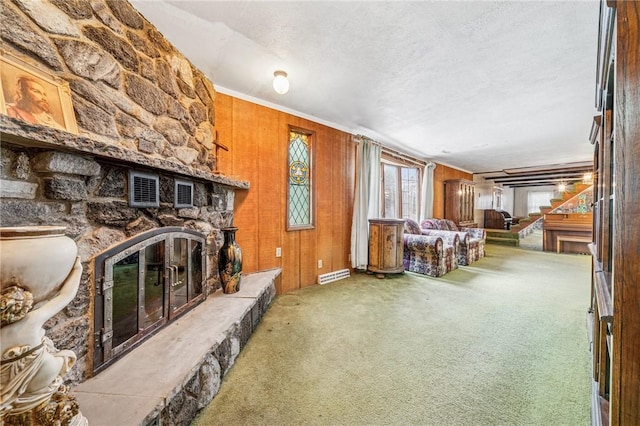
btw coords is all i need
(333, 276)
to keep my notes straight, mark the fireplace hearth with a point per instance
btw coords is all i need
(167, 379)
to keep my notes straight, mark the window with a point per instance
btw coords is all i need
(537, 199)
(300, 177)
(145, 283)
(401, 190)
(390, 186)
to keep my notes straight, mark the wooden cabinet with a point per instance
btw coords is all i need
(615, 313)
(385, 246)
(567, 232)
(458, 202)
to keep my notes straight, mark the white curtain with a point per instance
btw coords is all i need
(426, 193)
(536, 199)
(367, 200)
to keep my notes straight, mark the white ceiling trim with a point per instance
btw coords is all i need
(354, 132)
(278, 107)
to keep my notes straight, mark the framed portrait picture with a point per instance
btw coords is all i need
(34, 96)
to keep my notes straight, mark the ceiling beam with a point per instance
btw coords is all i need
(556, 177)
(538, 172)
(529, 184)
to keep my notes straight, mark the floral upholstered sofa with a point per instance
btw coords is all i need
(458, 240)
(426, 254)
(472, 240)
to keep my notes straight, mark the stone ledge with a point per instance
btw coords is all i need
(21, 133)
(177, 372)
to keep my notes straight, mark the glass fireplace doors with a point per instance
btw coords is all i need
(146, 283)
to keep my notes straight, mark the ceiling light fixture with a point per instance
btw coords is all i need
(280, 82)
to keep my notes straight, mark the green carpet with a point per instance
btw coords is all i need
(501, 342)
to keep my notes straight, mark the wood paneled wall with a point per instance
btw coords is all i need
(257, 138)
(440, 174)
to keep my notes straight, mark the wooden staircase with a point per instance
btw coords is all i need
(534, 221)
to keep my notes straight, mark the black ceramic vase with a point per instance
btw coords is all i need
(230, 262)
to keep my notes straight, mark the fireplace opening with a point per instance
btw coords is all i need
(142, 285)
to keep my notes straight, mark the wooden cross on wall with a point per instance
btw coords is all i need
(218, 146)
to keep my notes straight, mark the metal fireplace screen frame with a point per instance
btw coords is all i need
(142, 285)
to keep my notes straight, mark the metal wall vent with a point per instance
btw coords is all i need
(333, 276)
(143, 190)
(184, 194)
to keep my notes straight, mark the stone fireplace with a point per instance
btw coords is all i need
(136, 188)
(90, 197)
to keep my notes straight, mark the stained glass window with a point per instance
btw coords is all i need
(299, 203)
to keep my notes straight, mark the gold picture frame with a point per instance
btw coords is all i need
(35, 96)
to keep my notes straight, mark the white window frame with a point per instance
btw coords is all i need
(399, 213)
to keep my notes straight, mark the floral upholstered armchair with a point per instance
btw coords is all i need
(426, 254)
(459, 240)
(472, 240)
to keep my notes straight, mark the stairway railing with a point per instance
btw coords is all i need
(580, 202)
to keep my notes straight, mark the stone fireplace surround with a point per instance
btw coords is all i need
(54, 178)
(50, 177)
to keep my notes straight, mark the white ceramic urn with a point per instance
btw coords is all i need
(36, 258)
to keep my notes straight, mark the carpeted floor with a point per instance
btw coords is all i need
(501, 342)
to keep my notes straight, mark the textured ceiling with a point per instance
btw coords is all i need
(479, 85)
